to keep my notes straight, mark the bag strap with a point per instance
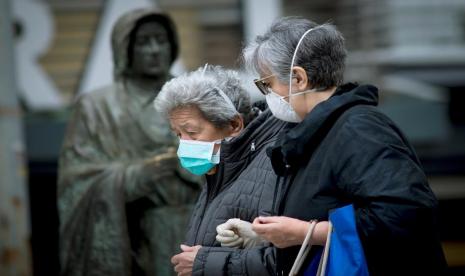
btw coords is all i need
(304, 249)
(324, 258)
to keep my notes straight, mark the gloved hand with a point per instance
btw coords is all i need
(237, 233)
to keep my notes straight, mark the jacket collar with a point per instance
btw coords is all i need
(237, 153)
(298, 144)
(259, 132)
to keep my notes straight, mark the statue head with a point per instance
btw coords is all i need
(144, 42)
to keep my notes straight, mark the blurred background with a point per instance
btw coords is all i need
(52, 50)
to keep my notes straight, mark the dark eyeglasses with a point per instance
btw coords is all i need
(263, 86)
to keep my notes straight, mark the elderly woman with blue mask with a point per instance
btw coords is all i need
(225, 139)
(342, 151)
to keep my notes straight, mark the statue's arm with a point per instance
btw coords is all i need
(85, 159)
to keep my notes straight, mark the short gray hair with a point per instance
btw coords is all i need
(321, 53)
(202, 89)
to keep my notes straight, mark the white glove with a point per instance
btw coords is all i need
(237, 233)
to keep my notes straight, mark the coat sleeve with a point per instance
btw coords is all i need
(378, 171)
(230, 261)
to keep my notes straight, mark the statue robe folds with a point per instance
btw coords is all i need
(122, 211)
(114, 203)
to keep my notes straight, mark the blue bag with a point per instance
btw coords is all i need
(343, 250)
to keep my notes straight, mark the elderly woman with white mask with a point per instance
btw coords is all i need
(225, 139)
(343, 151)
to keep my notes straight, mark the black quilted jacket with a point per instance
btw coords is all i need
(242, 188)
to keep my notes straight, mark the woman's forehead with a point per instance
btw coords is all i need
(184, 112)
(188, 115)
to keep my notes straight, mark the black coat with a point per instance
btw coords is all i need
(346, 151)
(242, 188)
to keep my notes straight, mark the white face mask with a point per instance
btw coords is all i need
(280, 108)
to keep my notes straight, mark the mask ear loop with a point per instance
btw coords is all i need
(204, 69)
(295, 54)
(230, 103)
(222, 94)
(227, 99)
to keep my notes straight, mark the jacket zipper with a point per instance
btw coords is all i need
(275, 196)
(202, 214)
(204, 210)
(283, 188)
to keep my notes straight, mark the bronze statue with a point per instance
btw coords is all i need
(123, 202)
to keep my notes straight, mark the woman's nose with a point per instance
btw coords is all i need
(154, 45)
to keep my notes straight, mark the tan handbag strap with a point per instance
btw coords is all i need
(324, 258)
(304, 249)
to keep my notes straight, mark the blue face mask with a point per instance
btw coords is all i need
(197, 156)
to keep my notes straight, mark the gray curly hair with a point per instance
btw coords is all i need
(322, 52)
(206, 89)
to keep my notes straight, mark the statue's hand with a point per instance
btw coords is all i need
(166, 161)
(145, 179)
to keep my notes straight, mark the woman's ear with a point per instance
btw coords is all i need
(299, 78)
(237, 125)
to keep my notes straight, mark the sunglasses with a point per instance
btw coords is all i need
(264, 87)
